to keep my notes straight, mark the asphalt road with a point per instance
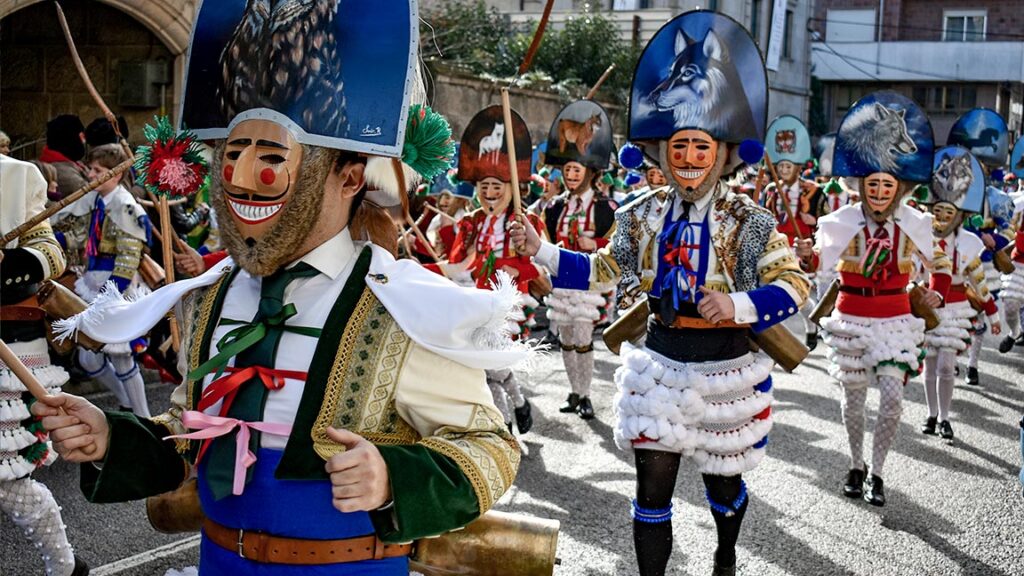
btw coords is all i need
(953, 509)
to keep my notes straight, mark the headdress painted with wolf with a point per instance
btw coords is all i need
(483, 152)
(580, 133)
(337, 73)
(984, 133)
(701, 71)
(1017, 158)
(788, 139)
(825, 150)
(957, 178)
(884, 132)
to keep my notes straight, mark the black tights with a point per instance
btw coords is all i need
(656, 473)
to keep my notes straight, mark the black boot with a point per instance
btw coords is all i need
(524, 418)
(854, 487)
(929, 426)
(1006, 344)
(572, 403)
(586, 409)
(724, 570)
(876, 493)
(972, 376)
(945, 430)
(812, 340)
(81, 568)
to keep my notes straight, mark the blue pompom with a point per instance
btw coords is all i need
(997, 175)
(751, 151)
(632, 179)
(631, 157)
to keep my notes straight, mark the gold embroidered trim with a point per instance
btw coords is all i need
(200, 324)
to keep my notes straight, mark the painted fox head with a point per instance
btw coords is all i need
(694, 75)
(785, 141)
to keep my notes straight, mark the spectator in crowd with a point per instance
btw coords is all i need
(65, 147)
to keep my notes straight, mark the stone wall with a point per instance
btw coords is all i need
(38, 79)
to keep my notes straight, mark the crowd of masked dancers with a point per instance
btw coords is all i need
(695, 240)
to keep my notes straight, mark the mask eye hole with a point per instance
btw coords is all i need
(272, 158)
(233, 155)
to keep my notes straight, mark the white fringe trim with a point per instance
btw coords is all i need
(109, 298)
(575, 305)
(731, 464)
(953, 332)
(1013, 284)
(857, 344)
(498, 333)
(51, 377)
(14, 468)
(13, 410)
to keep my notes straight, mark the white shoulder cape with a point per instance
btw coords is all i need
(465, 325)
(836, 230)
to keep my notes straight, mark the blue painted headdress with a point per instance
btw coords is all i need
(884, 132)
(1017, 158)
(788, 139)
(957, 178)
(337, 73)
(983, 132)
(701, 71)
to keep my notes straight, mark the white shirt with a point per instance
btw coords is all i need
(313, 298)
(492, 235)
(577, 203)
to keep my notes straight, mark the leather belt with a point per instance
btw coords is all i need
(20, 314)
(872, 292)
(699, 323)
(269, 549)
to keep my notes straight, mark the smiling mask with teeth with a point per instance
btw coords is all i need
(695, 161)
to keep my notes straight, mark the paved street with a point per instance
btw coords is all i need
(953, 509)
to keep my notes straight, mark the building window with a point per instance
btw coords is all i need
(964, 25)
(787, 36)
(946, 100)
(850, 26)
(755, 20)
(631, 4)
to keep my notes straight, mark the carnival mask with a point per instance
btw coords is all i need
(880, 191)
(787, 171)
(696, 162)
(655, 177)
(574, 174)
(947, 219)
(272, 189)
(494, 195)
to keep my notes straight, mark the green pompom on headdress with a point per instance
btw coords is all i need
(429, 147)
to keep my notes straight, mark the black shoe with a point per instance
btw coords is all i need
(572, 403)
(1006, 344)
(1020, 340)
(524, 418)
(929, 426)
(724, 570)
(81, 568)
(812, 340)
(854, 487)
(875, 494)
(945, 430)
(972, 377)
(586, 410)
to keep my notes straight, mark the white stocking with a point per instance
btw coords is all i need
(500, 397)
(853, 417)
(930, 382)
(805, 314)
(974, 352)
(1012, 309)
(946, 380)
(31, 507)
(890, 407)
(128, 374)
(96, 367)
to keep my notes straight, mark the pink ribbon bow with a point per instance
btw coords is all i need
(207, 426)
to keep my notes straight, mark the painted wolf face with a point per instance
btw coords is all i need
(892, 129)
(695, 74)
(953, 178)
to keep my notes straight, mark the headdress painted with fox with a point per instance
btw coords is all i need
(884, 132)
(702, 71)
(788, 139)
(984, 133)
(957, 179)
(483, 152)
(580, 133)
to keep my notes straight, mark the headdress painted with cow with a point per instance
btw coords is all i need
(287, 88)
(699, 84)
(581, 133)
(983, 132)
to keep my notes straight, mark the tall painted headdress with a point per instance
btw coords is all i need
(701, 70)
(884, 132)
(984, 133)
(580, 133)
(1017, 158)
(957, 179)
(483, 152)
(826, 150)
(788, 140)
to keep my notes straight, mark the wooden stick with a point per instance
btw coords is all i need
(440, 212)
(782, 195)
(151, 204)
(593, 90)
(757, 184)
(168, 250)
(15, 365)
(510, 142)
(537, 37)
(419, 236)
(69, 199)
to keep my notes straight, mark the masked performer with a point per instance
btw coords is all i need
(713, 267)
(797, 202)
(885, 140)
(482, 242)
(984, 134)
(580, 144)
(116, 230)
(1013, 284)
(958, 188)
(24, 446)
(311, 411)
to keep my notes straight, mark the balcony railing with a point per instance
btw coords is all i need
(919, 61)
